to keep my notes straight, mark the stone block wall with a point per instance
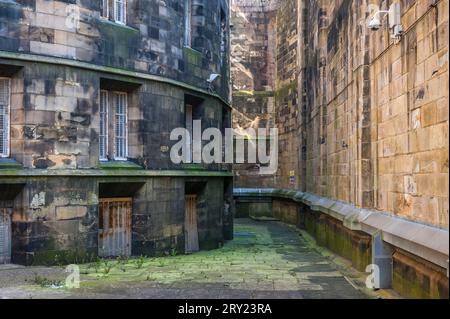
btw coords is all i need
(286, 211)
(55, 122)
(363, 118)
(59, 55)
(60, 227)
(416, 278)
(410, 102)
(386, 120)
(55, 227)
(150, 42)
(55, 118)
(210, 211)
(253, 43)
(158, 217)
(331, 233)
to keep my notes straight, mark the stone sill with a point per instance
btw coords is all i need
(193, 167)
(117, 24)
(110, 173)
(119, 165)
(193, 51)
(426, 241)
(8, 163)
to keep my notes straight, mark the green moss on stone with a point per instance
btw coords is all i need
(119, 165)
(193, 167)
(9, 164)
(244, 93)
(62, 257)
(284, 91)
(412, 279)
(348, 244)
(192, 56)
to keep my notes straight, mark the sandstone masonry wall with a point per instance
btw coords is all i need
(150, 42)
(363, 118)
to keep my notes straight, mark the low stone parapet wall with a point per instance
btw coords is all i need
(366, 237)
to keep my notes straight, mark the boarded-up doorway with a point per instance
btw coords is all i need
(114, 233)
(5, 235)
(191, 231)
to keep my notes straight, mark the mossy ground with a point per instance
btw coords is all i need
(266, 259)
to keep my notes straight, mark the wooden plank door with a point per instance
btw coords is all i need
(5, 235)
(191, 231)
(114, 233)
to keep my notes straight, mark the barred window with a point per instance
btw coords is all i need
(113, 130)
(188, 23)
(223, 36)
(103, 136)
(120, 11)
(104, 6)
(4, 117)
(120, 126)
(189, 117)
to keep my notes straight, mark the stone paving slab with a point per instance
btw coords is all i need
(266, 260)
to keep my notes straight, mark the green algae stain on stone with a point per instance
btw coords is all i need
(265, 256)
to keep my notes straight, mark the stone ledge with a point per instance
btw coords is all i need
(109, 173)
(119, 165)
(425, 241)
(28, 57)
(193, 167)
(8, 163)
(117, 25)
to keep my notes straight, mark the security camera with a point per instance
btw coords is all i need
(395, 20)
(398, 31)
(375, 24)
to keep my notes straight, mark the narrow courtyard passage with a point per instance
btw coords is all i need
(266, 260)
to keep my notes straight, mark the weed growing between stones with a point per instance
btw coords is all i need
(47, 283)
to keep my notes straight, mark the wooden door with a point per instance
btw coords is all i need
(114, 233)
(191, 231)
(5, 235)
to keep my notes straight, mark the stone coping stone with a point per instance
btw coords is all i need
(427, 242)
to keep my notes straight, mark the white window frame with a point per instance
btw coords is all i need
(188, 23)
(104, 114)
(105, 6)
(189, 119)
(5, 152)
(123, 3)
(115, 95)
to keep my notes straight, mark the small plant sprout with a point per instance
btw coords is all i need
(140, 262)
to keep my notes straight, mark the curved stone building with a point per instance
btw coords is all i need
(89, 94)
